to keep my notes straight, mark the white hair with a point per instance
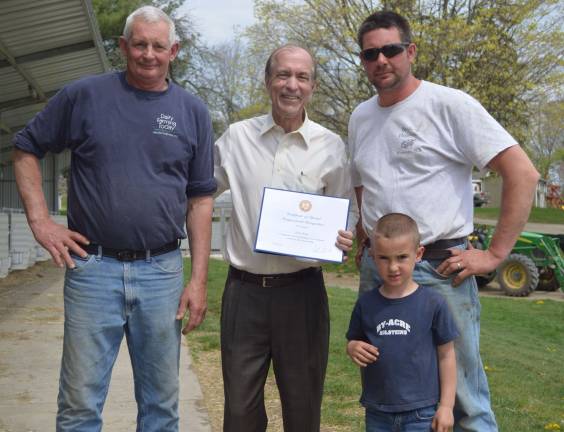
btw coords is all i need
(149, 14)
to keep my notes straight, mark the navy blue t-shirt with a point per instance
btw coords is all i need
(136, 158)
(406, 332)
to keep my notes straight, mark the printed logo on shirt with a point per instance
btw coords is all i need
(165, 125)
(408, 140)
(393, 327)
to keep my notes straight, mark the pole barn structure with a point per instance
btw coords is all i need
(44, 45)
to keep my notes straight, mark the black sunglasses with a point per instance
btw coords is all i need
(389, 51)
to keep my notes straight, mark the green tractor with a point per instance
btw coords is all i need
(536, 262)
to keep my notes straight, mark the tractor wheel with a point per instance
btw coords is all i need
(547, 280)
(517, 275)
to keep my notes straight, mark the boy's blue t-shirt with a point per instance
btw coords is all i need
(406, 332)
(136, 158)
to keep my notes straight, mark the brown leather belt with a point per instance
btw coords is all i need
(440, 249)
(129, 254)
(273, 280)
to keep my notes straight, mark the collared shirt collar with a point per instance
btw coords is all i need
(304, 129)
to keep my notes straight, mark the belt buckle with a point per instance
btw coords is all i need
(125, 255)
(264, 281)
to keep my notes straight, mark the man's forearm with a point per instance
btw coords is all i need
(198, 226)
(29, 183)
(520, 180)
(516, 202)
(360, 233)
(358, 192)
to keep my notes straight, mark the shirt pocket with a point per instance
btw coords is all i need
(309, 182)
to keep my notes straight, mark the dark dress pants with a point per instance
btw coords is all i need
(288, 325)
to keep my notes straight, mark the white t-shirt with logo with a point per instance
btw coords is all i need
(416, 157)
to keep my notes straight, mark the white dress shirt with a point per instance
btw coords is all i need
(257, 153)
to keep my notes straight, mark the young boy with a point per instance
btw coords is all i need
(401, 335)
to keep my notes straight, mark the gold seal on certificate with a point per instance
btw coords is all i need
(301, 224)
(305, 205)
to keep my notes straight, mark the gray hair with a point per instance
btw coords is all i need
(272, 60)
(149, 14)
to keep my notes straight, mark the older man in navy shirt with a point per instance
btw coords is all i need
(141, 166)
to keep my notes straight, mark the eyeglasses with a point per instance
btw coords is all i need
(389, 51)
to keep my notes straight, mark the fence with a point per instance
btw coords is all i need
(19, 250)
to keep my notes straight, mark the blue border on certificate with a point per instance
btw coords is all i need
(297, 256)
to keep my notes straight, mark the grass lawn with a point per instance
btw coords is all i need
(538, 215)
(522, 347)
(347, 267)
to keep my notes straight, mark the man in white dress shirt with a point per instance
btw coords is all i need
(275, 307)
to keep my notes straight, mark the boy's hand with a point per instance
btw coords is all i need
(362, 353)
(443, 420)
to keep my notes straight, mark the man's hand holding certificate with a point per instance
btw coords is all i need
(300, 224)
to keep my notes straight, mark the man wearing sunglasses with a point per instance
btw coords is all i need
(413, 147)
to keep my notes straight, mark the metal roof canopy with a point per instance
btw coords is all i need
(44, 45)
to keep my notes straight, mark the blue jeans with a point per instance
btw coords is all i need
(418, 420)
(472, 410)
(105, 299)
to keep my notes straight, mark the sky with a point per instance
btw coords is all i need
(215, 19)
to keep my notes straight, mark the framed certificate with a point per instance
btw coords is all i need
(301, 224)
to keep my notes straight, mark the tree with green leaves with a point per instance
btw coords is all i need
(230, 80)
(546, 140)
(111, 16)
(478, 46)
